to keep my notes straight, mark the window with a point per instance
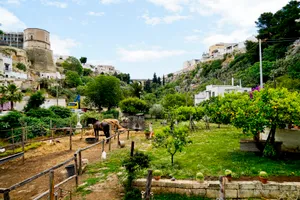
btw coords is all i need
(213, 94)
(31, 37)
(6, 66)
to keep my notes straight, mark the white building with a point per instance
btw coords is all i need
(53, 75)
(6, 68)
(106, 69)
(218, 90)
(191, 63)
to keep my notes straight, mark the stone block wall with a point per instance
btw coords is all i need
(233, 190)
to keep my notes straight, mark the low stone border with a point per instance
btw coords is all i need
(233, 190)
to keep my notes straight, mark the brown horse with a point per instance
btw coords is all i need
(101, 126)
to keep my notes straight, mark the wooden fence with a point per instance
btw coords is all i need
(77, 159)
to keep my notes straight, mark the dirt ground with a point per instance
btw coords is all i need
(48, 155)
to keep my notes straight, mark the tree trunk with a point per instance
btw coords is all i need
(219, 125)
(12, 105)
(172, 156)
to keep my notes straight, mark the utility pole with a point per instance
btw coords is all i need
(57, 92)
(260, 66)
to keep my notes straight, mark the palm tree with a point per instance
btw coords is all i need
(3, 97)
(137, 89)
(14, 94)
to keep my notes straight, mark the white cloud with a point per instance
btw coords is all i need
(235, 36)
(197, 31)
(10, 22)
(62, 46)
(163, 20)
(142, 55)
(101, 62)
(55, 3)
(242, 13)
(17, 2)
(171, 5)
(109, 1)
(192, 38)
(96, 14)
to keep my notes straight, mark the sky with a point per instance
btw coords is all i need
(139, 37)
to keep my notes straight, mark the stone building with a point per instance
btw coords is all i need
(13, 39)
(36, 38)
(38, 48)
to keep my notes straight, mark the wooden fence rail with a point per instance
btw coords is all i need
(77, 158)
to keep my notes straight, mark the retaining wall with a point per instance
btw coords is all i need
(233, 190)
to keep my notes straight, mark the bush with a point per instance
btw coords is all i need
(35, 101)
(40, 112)
(21, 66)
(61, 112)
(108, 116)
(113, 112)
(157, 110)
(11, 120)
(133, 106)
(38, 129)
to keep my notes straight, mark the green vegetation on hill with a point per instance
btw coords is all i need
(281, 60)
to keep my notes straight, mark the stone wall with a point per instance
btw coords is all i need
(233, 190)
(41, 59)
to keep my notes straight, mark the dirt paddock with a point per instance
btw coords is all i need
(45, 157)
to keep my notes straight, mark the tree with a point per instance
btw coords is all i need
(164, 80)
(72, 64)
(133, 105)
(137, 89)
(280, 28)
(35, 101)
(13, 94)
(104, 91)
(1, 32)
(159, 81)
(171, 101)
(3, 97)
(72, 79)
(123, 77)
(174, 139)
(60, 111)
(83, 60)
(87, 72)
(150, 99)
(154, 80)
(147, 86)
(157, 110)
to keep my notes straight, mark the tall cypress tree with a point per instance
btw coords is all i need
(154, 80)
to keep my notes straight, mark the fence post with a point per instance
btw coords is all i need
(23, 145)
(51, 185)
(6, 195)
(128, 134)
(26, 131)
(103, 143)
(80, 163)
(13, 139)
(109, 144)
(148, 185)
(118, 139)
(75, 168)
(132, 148)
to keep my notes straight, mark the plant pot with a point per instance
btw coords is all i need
(229, 178)
(156, 178)
(263, 180)
(147, 135)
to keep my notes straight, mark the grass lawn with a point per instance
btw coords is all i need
(212, 152)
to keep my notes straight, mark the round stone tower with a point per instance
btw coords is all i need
(38, 48)
(36, 38)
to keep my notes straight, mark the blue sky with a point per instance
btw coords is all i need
(139, 37)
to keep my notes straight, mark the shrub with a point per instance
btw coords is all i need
(263, 174)
(228, 172)
(113, 112)
(21, 66)
(40, 112)
(199, 176)
(108, 116)
(38, 129)
(157, 173)
(133, 106)
(60, 111)
(157, 110)
(35, 101)
(11, 120)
